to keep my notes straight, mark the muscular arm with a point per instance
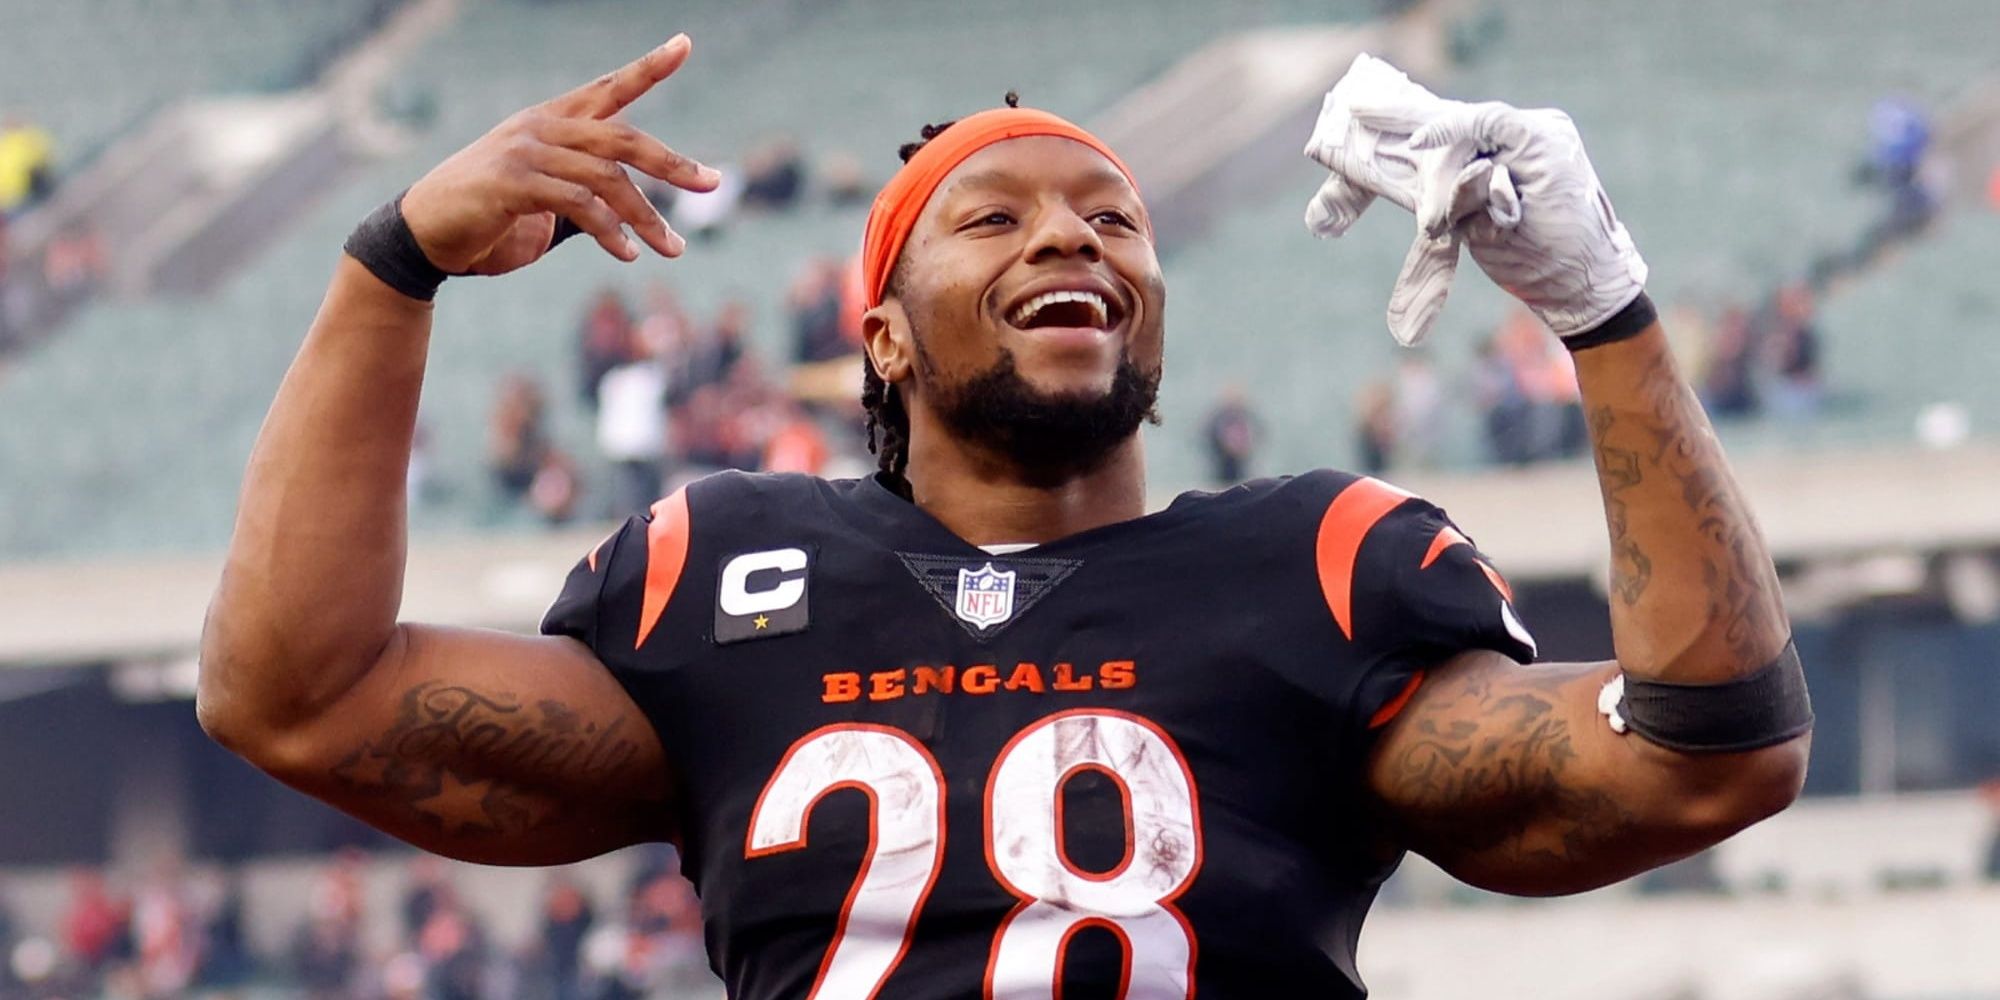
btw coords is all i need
(1506, 775)
(480, 745)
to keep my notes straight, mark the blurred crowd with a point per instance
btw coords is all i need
(174, 934)
(1744, 361)
(672, 397)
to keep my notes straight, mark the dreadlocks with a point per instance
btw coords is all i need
(888, 420)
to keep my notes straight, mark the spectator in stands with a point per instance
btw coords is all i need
(164, 931)
(774, 175)
(666, 328)
(632, 424)
(27, 164)
(326, 950)
(452, 945)
(1234, 433)
(816, 300)
(556, 489)
(566, 919)
(1504, 410)
(1728, 386)
(795, 442)
(97, 929)
(1794, 348)
(226, 960)
(1375, 422)
(715, 360)
(1899, 136)
(516, 439)
(604, 341)
(423, 887)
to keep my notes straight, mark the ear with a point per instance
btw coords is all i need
(886, 336)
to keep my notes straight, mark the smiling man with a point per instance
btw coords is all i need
(980, 724)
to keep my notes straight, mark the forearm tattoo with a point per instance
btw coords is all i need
(1663, 452)
(1485, 769)
(471, 764)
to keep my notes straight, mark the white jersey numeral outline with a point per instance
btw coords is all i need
(1133, 900)
(905, 851)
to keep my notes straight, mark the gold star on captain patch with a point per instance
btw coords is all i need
(761, 622)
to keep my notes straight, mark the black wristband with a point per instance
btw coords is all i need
(1760, 709)
(564, 230)
(1624, 324)
(385, 246)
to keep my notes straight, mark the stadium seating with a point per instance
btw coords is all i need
(102, 65)
(129, 430)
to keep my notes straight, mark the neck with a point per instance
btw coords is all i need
(986, 501)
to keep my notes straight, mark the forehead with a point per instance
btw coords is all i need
(1028, 164)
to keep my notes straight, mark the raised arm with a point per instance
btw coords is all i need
(1508, 776)
(485, 746)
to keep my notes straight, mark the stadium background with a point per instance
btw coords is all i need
(1813, 182)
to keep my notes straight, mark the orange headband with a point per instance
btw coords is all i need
(903, 198)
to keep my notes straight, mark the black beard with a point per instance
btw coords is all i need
(1050, 437)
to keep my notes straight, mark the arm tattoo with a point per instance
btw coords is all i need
(1667, 433)
(1485, 769)
(477, 764)
(1617, 471)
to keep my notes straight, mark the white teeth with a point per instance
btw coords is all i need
(1100, 313)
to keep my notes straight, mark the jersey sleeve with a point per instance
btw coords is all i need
(617, 597)
(1408, 590)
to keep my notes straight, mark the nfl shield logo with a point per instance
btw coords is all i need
(985, 596)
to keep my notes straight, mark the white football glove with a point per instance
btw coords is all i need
(1515, 186)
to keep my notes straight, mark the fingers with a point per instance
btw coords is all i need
(1491, 126)
(1421, 288)
(539, 192)
(608, 182)
(610, 93)
(1335, 207)
(612, 140)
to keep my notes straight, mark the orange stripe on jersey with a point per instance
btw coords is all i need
(1384, 715)
(1447, 537)
(599, 547)
(1346, 522)
(666, 553)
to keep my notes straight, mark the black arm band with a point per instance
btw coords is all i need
(1624, 324)
(385, 246)
(1760, 709)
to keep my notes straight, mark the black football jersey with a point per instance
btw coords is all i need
(1125, 763)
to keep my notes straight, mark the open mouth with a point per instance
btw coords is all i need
(1067, 308)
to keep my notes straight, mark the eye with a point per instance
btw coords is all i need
(995, 217)
(1114, 217)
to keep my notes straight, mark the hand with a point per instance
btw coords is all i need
(1375, 158)
(492, 206)
(1550, 238)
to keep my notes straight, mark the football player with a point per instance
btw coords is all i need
(980, 724)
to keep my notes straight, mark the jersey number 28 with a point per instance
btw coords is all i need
(1024, 847)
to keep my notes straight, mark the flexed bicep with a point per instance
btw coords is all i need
(1510, 778)
(489, 747)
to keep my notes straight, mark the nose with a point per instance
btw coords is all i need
(1059, 232)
